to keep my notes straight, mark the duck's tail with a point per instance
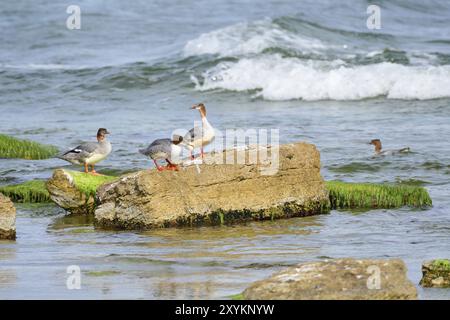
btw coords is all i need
(143, 151)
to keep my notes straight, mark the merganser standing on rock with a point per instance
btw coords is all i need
(199, 136)
(378, 151)
(89, 153)
(164, 149)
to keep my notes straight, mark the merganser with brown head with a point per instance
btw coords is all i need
(199, 136)
(379, 151)
(89, 153)
(166, 149)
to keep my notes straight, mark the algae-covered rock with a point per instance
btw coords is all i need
(344, 195)
(33, 191)
(75, 191)
(339, 279)
(14, 148)
(7, 218)
(215, 193)
(436, 273)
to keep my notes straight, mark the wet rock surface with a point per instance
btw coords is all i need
(436, 273)
(337, 279)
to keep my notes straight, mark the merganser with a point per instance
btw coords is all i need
(89, 153)
(199, 136)
(378, 151)
(164, 149)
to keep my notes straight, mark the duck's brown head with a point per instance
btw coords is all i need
(200, 107)
(377, 144)
(101, 134)
(176, 139)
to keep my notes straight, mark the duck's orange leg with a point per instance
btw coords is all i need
(158, 167)
(171, 166)
(86, 168)
(93, 172)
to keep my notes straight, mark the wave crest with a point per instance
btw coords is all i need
(250, 38)
(278, 78)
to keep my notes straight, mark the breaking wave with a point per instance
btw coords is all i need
(288, 58)
(279, 78)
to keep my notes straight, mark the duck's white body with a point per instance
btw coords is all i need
(390, 152)
(199, 136)
(202, 135)
(97, 157)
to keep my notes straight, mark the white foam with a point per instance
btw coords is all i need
(249, 38)
(279, 78)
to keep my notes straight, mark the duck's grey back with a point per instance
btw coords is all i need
(158, 146)
(79, 153)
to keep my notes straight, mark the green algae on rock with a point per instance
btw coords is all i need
(33, 191)
(75, 191)
(88, 183)
(436, 273)
(14, 148)
(345, 195)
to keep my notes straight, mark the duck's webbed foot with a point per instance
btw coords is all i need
(171, 166)
(95, 173)
(158, 167)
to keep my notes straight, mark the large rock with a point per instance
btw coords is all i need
(216, 193)
(7, 218)
(436, 273)
(340, 279)
(64, 193)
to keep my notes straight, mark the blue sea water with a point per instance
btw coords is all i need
(311, 69)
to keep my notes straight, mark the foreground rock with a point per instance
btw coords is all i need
(7, 218)
(436, 273)
(67, 195)
(340, 279)
(215, 193)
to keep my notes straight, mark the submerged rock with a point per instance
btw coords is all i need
(339, 279)
(436, 273)
(7, 218)
(215, 193)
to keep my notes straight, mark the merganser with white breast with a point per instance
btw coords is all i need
(89, 153)
(380, 152)
(166, 149)
(199, 136)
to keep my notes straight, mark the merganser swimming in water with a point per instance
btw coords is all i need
(199, 136)
(378, 151)
(89, 153)
(164, 149)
